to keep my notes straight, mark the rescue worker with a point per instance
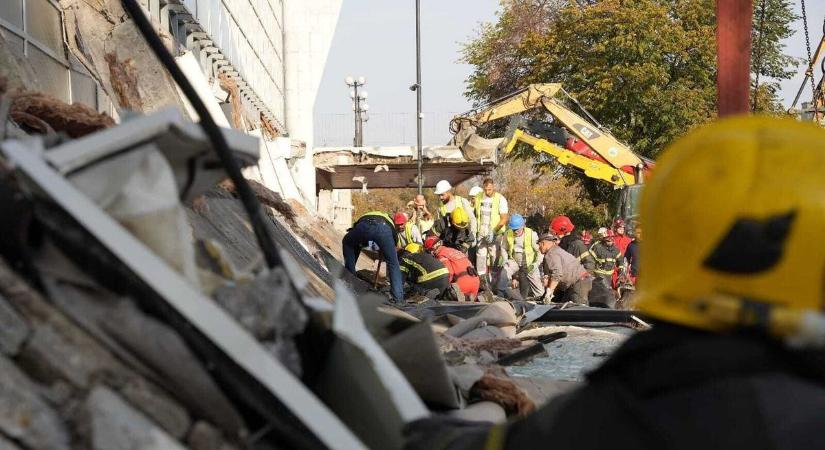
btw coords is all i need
(375, 226)
(521, 248)
(621, 239)
(421, 216)
(607, 257)
(563, 227)
(631, 255)
(449, 202)
(491, 213)
(456, 230)
(408, 233)
(462, 272)
(734, 360)
(425, 274)
(565, 278)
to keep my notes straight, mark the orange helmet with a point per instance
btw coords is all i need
(561, 225)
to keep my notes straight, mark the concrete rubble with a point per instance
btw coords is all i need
(137, 312)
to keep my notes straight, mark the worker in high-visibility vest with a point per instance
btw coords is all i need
(378, 227)
(408, 232)
(425, 274)
(492, 214)
(521, 249)
(733, 280)
(449, 202)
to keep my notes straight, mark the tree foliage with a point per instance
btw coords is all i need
(646, 69)
(772, 21)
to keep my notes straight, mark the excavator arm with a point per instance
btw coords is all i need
(593, 149)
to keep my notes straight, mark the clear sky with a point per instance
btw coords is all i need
(376, 39)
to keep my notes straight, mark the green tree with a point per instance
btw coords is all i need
(772, 21)
(646, 69)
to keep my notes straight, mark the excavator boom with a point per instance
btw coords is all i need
(594, 150)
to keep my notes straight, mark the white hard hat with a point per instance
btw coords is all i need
(442, 187)
(602, 232)
(475, 190)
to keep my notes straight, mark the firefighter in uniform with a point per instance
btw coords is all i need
(375, 226)
(607, 256)
(734, 359)
(425, 274)
(456, 230)
(521, 247)
(462, 272)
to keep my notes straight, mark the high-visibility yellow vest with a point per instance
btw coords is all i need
(529, 251)
(407, 234)
(459, 201)
(495, 216)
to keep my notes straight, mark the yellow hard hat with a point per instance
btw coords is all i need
(732, 221)
(459, 217)
(413, 247)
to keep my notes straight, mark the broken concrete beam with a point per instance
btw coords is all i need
(13, 329)
(112, 424)
(24, 415)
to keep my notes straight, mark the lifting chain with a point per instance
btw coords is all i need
(810, 71)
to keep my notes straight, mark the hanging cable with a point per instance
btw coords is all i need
(212, 131)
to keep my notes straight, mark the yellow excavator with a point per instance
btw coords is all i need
(570, 138)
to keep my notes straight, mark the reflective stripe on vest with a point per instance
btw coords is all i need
(425, 276)
(604, 272)
(495, 217)
(383, 215)
(529, 252)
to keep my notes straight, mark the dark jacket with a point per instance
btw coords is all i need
(574, 245)
(606, 257)
(674, 388)
(632, 257)
(457, 238)
(421, 267)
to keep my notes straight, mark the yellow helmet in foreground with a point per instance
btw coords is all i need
(733, 224)
(413, 247)
(459, 217)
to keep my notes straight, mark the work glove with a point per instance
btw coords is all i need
(548, 297)
(491, 237)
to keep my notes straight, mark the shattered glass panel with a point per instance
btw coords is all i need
(12, 11)
(52, 77)
(84, 90)
(14, 42)
(43, 24)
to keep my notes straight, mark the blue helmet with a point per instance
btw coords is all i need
(516, 222)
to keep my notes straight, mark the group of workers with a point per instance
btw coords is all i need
(476, 244)
(734, 359)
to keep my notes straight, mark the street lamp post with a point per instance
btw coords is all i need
(419, 116)
(359, 108)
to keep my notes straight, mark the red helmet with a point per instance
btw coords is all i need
(431, 242)
(561, 225)
(400, 218)
(618, 223)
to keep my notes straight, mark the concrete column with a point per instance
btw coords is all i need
(309, 29)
